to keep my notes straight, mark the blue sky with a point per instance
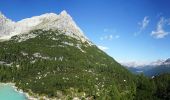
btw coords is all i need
(128, 30)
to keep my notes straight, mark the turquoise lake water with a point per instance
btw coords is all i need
(7, 92)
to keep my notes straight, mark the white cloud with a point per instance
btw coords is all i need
(109, 37)
(102, 47)
(109, 34)
(142, 63)
(143, 24)
(134, 63)
(160, 32)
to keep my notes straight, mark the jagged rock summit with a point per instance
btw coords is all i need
(6, 25)
(62, 22)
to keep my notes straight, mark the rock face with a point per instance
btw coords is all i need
(6, 26)
(63, 22)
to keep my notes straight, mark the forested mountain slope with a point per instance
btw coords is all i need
(54, 64)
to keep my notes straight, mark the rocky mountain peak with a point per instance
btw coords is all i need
(62, 22)
(64, 13)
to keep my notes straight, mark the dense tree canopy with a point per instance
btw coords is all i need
(56, 65)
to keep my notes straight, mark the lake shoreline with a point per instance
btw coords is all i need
(19, 91)
(29, 97)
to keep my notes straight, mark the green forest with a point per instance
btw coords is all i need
(58, 66)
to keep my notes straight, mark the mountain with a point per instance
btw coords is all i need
(6, 25)
(62, 22)
(157, 70)
(167, 62)
(49, 56)
(153, 69)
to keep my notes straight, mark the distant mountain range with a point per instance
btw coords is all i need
(152, 69)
